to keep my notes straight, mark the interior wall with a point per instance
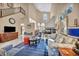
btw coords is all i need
(31, 12)
(19, 18)
(74, 15)
(25, 20)
(34, 13)
(51, 22)
(48, 16)
(57, 9)
(5, 22)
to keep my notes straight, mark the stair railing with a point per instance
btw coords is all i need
(10, 11)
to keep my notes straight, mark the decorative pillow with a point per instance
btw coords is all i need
(53, 36)
(76, 51)
(77, 45)
(68, 40)
(59, 39)
(73, 41)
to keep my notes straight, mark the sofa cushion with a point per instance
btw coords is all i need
(76, 51)
(59, 38)
(68, 40)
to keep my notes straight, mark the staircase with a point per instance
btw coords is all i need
(11, 11)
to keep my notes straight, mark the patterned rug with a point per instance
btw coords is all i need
(41, 49)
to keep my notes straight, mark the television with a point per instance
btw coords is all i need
(9, 29)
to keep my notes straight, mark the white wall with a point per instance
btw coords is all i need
(74, 15)
(19, 18)
(31, 12)
(5, 22)
(51, 22)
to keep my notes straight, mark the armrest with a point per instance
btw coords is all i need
(2, 52)
(8, 47)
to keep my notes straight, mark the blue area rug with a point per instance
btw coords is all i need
(39, 50)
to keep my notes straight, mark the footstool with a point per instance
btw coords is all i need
(26, 40)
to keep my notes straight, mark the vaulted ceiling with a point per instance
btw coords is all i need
(43, 7)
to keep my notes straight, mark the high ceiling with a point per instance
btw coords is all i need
(43, 7)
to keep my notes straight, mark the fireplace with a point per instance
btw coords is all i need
(9, 29)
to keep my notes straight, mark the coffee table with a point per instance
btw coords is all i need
(67, 52)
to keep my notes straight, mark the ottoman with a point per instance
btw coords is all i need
(26, 40)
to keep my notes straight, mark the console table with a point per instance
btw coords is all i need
(8, 36)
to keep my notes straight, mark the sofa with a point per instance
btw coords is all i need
(10, 50)
(62, 41)
(7, 36)
(4, 50)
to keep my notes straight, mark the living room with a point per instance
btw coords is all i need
(47, 27)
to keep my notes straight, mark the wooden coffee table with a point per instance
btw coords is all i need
(67, 52)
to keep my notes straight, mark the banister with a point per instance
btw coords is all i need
(10, 11)
(22, 10)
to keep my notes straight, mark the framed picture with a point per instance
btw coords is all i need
(76, 22)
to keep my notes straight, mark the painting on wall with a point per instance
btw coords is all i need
(76, 22)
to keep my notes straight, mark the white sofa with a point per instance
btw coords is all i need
(62, 41)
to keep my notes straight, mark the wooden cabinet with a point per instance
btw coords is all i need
(8, 36)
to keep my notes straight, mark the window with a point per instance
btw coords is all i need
(33, 21)
(45, 16)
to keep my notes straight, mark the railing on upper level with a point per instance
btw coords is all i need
(10, 11)
(22, 10)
